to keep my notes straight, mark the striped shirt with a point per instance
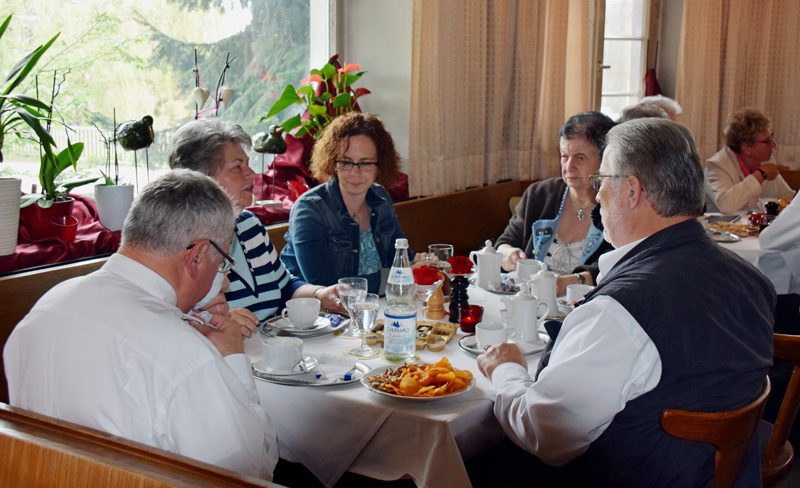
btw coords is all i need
(259, 281)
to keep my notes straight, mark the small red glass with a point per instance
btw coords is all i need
(469, 317)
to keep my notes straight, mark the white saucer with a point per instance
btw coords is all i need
(470, 344)
(287, 325)
(309, 362)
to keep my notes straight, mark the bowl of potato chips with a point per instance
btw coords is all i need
(419, 381)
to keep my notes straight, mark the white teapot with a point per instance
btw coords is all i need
(525, 313)
(488, 261)
(543, 285)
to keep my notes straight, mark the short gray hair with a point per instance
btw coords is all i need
(198, 144)
(662, 155)
(178, 209)
(642, 111)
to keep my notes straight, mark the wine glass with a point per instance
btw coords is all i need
(438, 254)
(364, 314)
(424, 292)
(351, 290)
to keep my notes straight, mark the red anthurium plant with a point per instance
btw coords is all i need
(336, 97)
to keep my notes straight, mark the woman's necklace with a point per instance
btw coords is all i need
(578, 213)
(357, 214)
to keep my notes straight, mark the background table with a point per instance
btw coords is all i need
(348, 428)
(778, 267)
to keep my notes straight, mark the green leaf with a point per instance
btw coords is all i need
(316, 109)
(328, 71)
(291, 123)
(29, 62)
(68, 157)
(5, 25)
(69, 185)
(342, 100)
(25, 100)
(288, 98)
(306, 90)
(350, 79)
(106, 180)
(29, 199)
(44, 137)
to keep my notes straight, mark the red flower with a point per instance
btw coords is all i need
(425, 275)
(460, 265)
(349, 67)
(309, 79)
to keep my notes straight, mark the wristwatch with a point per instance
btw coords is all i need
(763, 173)
(581, 278)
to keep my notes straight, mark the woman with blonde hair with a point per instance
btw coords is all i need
(739, 173)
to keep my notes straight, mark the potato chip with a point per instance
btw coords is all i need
(422, 380)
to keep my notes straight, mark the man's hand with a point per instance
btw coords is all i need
(499, 354)
(246, 319)
(227, 337)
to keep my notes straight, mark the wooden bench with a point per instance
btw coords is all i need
(40, 451)
(464, 219)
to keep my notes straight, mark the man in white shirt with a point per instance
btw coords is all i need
(674, 322)
(116, 350)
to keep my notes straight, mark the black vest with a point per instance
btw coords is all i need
(710, 315)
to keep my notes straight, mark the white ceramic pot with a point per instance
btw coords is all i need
(9, 214)
(113, 203)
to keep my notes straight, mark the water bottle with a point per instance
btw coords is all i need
(400, 326)
(400, 284)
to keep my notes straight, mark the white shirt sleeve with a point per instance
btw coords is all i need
(602, 359)
(240, 435)
(784, 232)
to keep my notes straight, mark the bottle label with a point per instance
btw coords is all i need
(400, 276)
(399, 334)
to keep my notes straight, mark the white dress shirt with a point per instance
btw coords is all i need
(110, 351)
(602, 359)
(782, 237)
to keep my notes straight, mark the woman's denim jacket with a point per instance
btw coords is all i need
(544, 230)
(323, 240)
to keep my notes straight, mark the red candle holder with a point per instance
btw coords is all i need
(469, 317)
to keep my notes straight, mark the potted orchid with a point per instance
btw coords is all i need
(333, 96)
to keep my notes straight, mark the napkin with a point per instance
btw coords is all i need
(332, 367)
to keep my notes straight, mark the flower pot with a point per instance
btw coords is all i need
(113, 203)
(9, 214)
(39, 221)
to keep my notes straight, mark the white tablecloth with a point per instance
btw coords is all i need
(348, 428)
(774, 265)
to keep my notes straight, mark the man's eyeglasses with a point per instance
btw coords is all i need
(597, 180)
(348, 166)
(227, 262)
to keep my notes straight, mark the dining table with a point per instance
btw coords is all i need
(348, 427)
(778, 267)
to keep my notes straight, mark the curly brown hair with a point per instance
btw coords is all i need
(335, 141)
(743, 127)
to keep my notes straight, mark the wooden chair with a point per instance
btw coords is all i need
(729, 432)
(40, 451)
(776, 464)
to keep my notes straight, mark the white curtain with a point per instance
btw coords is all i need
(492, 83)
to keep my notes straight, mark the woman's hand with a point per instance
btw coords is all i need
(511, 256)
(246, 319)
(329, 297)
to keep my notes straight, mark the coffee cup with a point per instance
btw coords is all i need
(301, 312)
(526, 268)
(577, 292)
(283, 354)
(491, 333)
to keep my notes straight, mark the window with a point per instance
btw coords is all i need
(137, 58)
(624, 54)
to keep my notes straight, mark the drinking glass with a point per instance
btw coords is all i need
(438, 254)
(424, 292)
(351, 290)
(364, 314)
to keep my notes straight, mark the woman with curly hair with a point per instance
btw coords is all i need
(347, 225)
(739, 174)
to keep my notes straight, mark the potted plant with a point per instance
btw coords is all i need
(40, 209)
(334, 96)
(113, 199)
(16, 110)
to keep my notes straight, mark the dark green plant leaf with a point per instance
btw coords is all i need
(288, 98)
(32, 59)
(342, 100)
